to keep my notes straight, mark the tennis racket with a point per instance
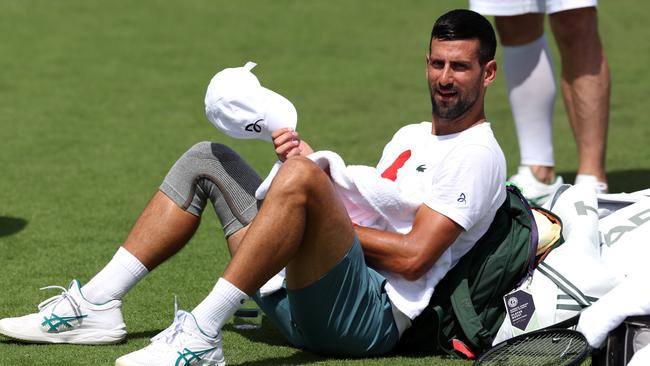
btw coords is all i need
(550, 346)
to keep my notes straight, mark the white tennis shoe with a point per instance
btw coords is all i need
(68, 318)
(535, 191)
(182, 344)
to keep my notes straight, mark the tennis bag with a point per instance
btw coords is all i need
(467, 309)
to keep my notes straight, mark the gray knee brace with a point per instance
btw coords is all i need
(214, 171)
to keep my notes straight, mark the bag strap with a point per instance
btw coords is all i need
(470, 323)
(534, 235)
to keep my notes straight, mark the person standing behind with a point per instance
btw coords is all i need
(585, 85)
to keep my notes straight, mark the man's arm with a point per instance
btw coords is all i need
(410, 255)
(287, 143)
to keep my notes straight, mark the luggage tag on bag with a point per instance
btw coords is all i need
(521, 311)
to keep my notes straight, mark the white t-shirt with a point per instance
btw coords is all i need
(461, 176)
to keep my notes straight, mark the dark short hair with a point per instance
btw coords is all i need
(462, 24)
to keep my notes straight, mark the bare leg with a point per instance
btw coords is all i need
(161, 231)
(236, 238)
(585, 85)
(302, 225)
(517, 31)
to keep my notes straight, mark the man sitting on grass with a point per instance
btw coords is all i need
(350, 290)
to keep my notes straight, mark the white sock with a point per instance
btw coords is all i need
(591, 180)
(115, 279)
(531, 89)
(217, 308)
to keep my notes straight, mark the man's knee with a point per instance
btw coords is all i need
(213, 171)
(200, 148)
(195, 162)
(299, 174)
(214, 159)
(209, 150)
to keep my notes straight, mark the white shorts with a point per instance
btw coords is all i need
(519, 7)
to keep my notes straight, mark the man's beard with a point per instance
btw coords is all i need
(452, 110)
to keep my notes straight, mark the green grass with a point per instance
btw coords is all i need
(98, 99)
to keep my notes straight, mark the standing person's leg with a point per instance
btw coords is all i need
(304, 226)
(206, 171)
(528, 69)
(529, 76)
(585, 87)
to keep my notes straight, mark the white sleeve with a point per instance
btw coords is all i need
(467, 184)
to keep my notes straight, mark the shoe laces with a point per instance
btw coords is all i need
(169, 335)
(57, 299)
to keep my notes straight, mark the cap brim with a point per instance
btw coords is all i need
(280, 113)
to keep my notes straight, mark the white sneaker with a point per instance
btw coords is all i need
(535, 191)
(68, 318)
(182, 344)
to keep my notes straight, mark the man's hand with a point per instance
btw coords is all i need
(287, 143)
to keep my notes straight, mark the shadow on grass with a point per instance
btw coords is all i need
(266, 334)
(298, 358)
(15, 342)
(11, 225)
(621, 180)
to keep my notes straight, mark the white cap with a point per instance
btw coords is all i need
(238, 105)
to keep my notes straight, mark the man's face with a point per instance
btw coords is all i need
(456, 79)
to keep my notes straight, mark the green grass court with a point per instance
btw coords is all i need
(98, 99)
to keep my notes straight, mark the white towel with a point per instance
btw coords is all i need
(631, 297)
(370, 200)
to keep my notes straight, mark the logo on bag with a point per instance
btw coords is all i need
(254, 126)
(512, 302)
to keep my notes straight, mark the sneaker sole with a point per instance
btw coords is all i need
(121, 362)
(76, 336)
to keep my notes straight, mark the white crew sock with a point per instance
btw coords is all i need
(591, 180)
(115, 279)
(531, 89)
(217, 308)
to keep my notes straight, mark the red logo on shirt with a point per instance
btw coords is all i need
(391, 171)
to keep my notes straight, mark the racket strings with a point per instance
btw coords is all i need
(539, 350)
